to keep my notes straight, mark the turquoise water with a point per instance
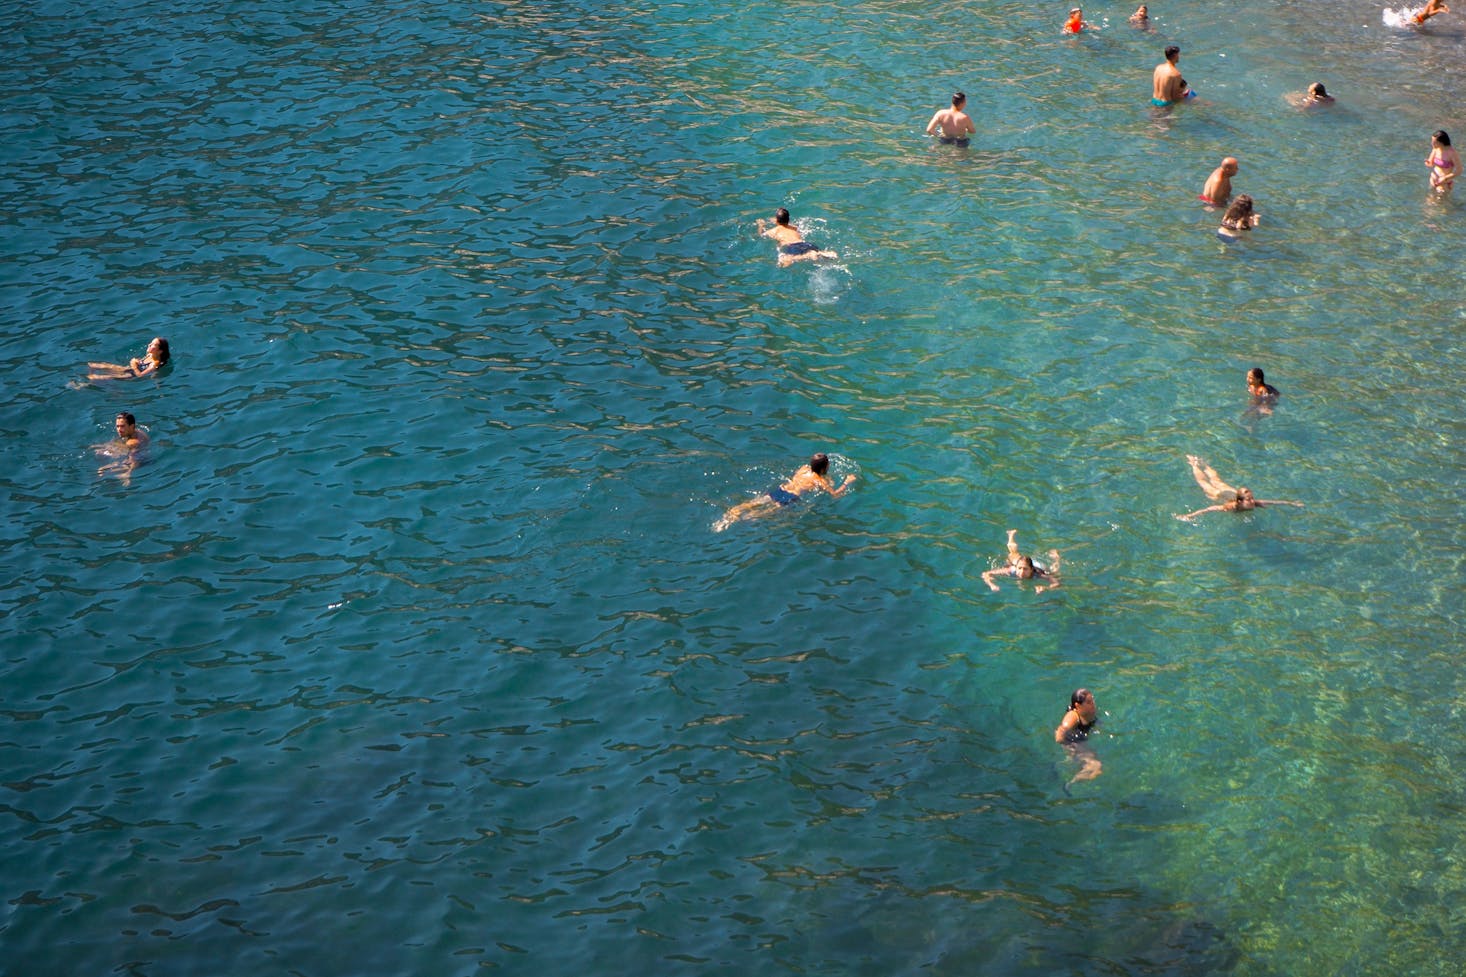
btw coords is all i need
(410, 649)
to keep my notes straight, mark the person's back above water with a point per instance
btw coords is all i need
(792, 245)
(1167, 85)
(954, 124)
(1218, 187)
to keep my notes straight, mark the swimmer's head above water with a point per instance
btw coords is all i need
(819, 463)
(781, 215)
(958, 100)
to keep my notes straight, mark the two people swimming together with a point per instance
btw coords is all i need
(806, 481)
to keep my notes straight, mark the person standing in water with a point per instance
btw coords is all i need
(806, 481)
(953, 126)
(1073, 732)
(1444, 162)
(1218, 187)
(1167, 85)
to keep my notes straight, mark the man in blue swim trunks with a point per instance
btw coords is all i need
(1167, 85)
(810, 478)
(792, 245)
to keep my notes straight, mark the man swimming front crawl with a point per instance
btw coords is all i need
(809, 478)
(792, 245)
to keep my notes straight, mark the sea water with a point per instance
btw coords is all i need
(409, 647)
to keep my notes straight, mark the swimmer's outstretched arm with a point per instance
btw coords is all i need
(1278, 502)
(988, 576)
(1211, 508)
(844, 486)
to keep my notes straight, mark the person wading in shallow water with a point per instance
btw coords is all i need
(1074, 730)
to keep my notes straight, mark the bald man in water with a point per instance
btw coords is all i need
(1218, 188)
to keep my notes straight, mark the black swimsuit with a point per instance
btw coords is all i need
(1080, 732)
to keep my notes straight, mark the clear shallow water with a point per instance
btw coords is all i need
(410, 649)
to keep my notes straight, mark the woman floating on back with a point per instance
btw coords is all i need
(150, 362)
(1237, 499)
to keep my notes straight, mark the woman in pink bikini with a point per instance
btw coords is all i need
(1444, 162)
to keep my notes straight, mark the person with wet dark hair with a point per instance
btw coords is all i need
(154, 359)
(1024, 568)
(792, 245)
(122, 452)
(1073, 732)
(953, 127)
(1263, 393)
(806, 481)
(1239, 217)
(1444, 162)
(1317, 95)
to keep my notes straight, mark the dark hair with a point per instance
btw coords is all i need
(127, 417)
(163, 354)
(819, 463)
(1172, 52)
(1240, 210)
(1026, 569)
(1255, 374)
(1078, 696)
(1317, 90)
(782, 215)
(957, 99)
(1440, 136)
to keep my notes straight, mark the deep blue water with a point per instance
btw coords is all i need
(410, 649)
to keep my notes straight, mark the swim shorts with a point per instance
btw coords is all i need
(782, 497)
(798, 248)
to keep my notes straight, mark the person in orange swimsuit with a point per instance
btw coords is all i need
(1076, 22)
(1430, 10)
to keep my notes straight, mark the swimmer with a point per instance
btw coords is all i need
(1167, 85)
(1073, 732)
(1076, 22)
(1239, 218)
(1430, 10)
(1218, 187)
(1238, 499)
(1141, 17)
(123, 450)
(1444, 162)
(792, 245)
(1023, 567)
(1317, 96)
(809, 479)
(150, 362)
(955, 125)
(1263, 393)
